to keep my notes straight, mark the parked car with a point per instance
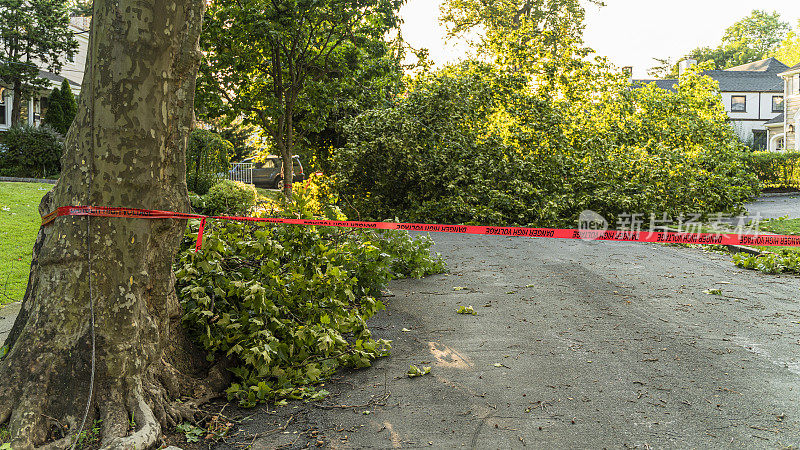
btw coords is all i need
(268, 173)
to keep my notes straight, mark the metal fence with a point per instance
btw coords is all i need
(241, 172)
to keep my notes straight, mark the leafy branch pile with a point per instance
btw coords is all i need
(289, 304)
(786, 261)
(474, 143)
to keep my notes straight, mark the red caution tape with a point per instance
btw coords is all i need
(590, 235)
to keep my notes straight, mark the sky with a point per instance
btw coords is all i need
(628, 32)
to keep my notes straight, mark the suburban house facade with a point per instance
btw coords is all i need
(783, 129)
(33, 110)
(752, 94)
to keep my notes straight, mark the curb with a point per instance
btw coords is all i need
(26, 180)
(743, 249)
(734, 248)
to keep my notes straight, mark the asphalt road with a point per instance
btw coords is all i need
(575, 345)
(775, 206)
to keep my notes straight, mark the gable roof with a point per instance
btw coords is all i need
(757, 76)
(770, 65)
(746, 81)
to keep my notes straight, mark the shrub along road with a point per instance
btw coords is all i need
(575, 345)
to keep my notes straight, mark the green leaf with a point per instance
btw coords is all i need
(414, 371)
(466, 310)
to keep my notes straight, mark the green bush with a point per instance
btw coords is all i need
(774, 169)
(207, 160)
(229, 198)
(61, 108)
(288, 304)
(31, 152)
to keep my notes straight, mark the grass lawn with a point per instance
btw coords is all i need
(19, 223)
(783, 227)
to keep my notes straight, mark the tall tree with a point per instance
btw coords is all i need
(33, 34)
(104, 287)
(542, 37)
(760, 32)
(282, 64)
(788, 51)
(750, 39)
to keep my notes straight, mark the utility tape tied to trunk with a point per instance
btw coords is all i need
(587, 235)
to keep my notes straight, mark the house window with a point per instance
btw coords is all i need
(3, 104)
(738, 103)
(796, 89)
(777, 103)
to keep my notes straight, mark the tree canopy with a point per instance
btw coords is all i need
(788, 51)
(33, 34)
(543, 37)
(287, 65)
(752, 38)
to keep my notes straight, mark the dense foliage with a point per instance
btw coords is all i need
(474, 144)
(229, 198)
(31, 152)
(775, 170)
(789, 50)
(290, 66)
(61, 108)
(785, 261)
(207, 156)
(288, 304)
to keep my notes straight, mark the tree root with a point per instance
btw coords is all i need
(148, 432)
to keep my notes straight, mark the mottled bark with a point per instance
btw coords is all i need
(127, 148)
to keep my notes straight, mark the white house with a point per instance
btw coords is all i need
(783, 130)
(752, 94)
(33, 110)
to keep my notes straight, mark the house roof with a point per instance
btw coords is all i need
(667, 85)
(746, 81)
(791, 70)
(770, 65)
(57, 79)
(777, 120)
(757, 76)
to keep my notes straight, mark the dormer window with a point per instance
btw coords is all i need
(777, 103)
(738, 103)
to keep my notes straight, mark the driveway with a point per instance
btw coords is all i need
(775, 206)
(576, 344)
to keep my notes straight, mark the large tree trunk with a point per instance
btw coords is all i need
(126, 148)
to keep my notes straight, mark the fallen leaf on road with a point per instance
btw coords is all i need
(458, 288)
(405, 330)
(466, 310)
(713, 291)
(414, 371)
